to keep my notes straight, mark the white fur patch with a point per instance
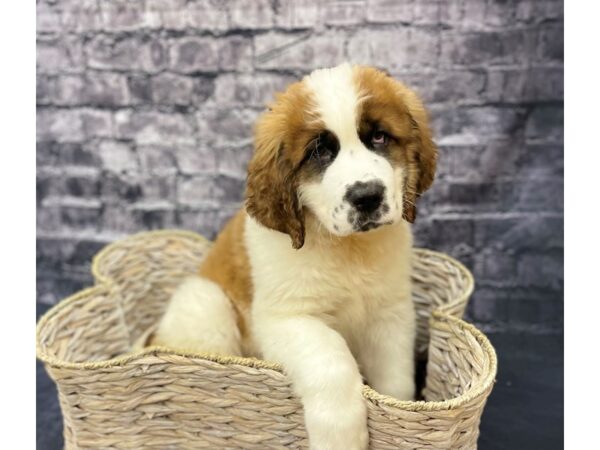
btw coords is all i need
(199, 317)
(336, 100)
(328, 309)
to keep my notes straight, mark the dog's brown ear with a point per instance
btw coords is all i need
(271, 190)
(422, 155)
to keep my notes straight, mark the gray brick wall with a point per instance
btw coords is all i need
(145, 110)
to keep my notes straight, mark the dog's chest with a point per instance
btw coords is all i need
(354, 288)
(326, 280)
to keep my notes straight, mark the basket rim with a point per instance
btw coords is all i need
(414, 406)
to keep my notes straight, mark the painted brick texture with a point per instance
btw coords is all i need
(145, 110)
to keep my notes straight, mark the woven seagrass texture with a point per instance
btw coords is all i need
(112, 397)
(146, 268)
(439, 282)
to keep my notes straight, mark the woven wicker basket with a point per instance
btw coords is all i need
(113, 397)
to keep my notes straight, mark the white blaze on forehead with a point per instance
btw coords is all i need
(337, 100)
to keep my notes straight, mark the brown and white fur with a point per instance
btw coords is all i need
(314, 272)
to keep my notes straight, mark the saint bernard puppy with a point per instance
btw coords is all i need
(314, 271)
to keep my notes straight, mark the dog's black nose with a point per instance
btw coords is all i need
(365, 197)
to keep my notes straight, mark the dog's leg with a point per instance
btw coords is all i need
(324, 375)
(199, 317)
(386, 354)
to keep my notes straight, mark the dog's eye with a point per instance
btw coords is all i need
(379, 139)
(325, 148)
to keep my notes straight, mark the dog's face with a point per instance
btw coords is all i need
(349, 145)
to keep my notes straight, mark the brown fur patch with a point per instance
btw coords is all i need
(227, 265)
(281, 135)
(400, 112)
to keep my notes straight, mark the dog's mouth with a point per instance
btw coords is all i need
(367, 220)
(370, 225)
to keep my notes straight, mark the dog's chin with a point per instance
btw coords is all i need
(344, 229)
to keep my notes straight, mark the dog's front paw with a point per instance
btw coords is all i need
(343, 428)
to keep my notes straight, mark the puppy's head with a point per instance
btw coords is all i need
(349, 145)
